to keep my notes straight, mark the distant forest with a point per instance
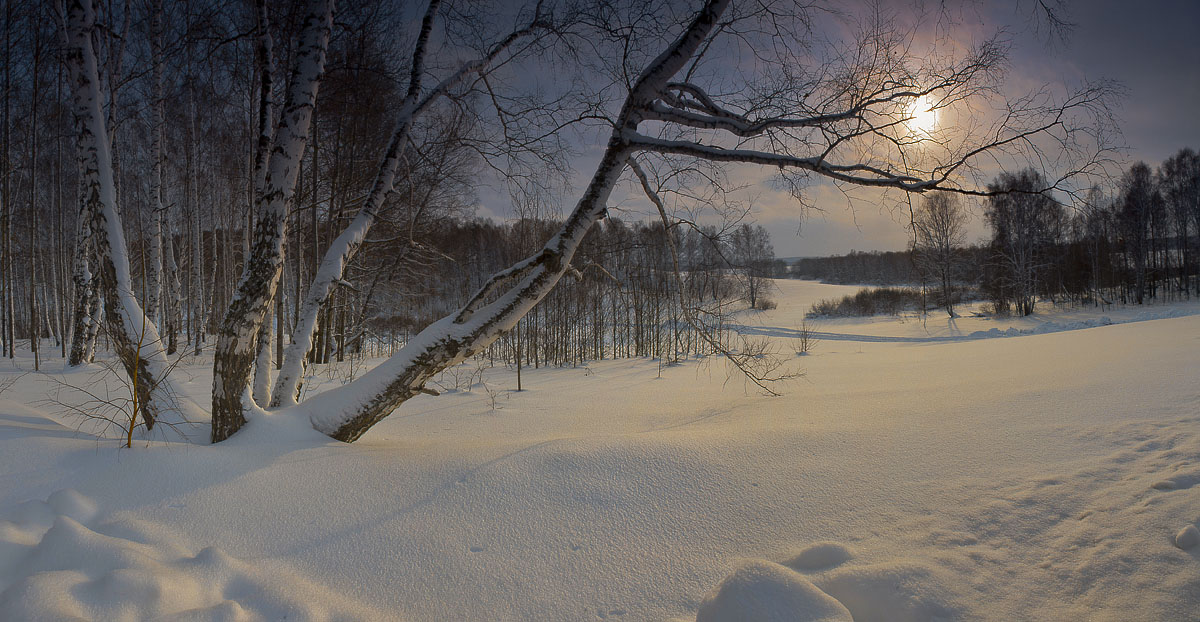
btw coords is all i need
(1135, 244)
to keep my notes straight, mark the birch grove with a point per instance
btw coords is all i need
(249, 172)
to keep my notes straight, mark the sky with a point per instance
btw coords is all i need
(1149, 48)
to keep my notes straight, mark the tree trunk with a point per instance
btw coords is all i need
(34, 224)
(333, 266)
(135, 339)
(347, 412)
(7, 339)
(236, 341)
(196, 307)
(154, 274)
(82, 344)
(173, 305)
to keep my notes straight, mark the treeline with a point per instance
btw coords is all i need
(881, 267)
(1137, 242)
(625, 299)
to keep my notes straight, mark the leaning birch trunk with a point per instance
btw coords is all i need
(134, 337)
(347, 412)
(346, 245)
(235, 349)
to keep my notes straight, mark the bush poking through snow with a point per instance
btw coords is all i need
(805, 337)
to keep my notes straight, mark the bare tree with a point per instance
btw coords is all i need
(1022, 217)
(872, 104)
(1140, 203)
(1179, 178)
(752, 255)
(939, 232)
(333, 266)
(240, 329)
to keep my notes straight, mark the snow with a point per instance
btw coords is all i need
(765, 592)
(1187, 538)
(913, 473)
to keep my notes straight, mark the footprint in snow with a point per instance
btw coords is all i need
(819, 556)
(1181, 481)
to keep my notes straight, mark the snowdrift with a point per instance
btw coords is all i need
(912, 474)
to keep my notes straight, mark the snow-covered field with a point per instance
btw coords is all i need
(919, 470)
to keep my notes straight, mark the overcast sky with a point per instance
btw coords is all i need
(1152, 47)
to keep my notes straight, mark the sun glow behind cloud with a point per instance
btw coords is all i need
(921, 115)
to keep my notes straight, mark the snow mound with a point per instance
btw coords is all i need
(1179, 481)
(819, 556)
(890, 592)
(1188, 537)
(54, 566)
(67, 502)
(760, 591)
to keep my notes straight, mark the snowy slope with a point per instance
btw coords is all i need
(913, 473)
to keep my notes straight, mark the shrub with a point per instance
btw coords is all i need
(870, 301)
(806, 338)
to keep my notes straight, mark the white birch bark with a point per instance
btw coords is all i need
(81, 276)
(235, 349)
(134, 336)
(173, 288)
(347, 412)
(196, 306)
(95, 314)
(261, 393)
(343, 248)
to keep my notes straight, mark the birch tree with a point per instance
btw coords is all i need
(1179, 177)
(135, 338)
(416, 101)
(154, 273)
(939, 232)
(1139, 202)
(871, 104)
(265, 60)
(237, 340)
(82, 326)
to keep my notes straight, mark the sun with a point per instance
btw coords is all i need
(921, 115)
